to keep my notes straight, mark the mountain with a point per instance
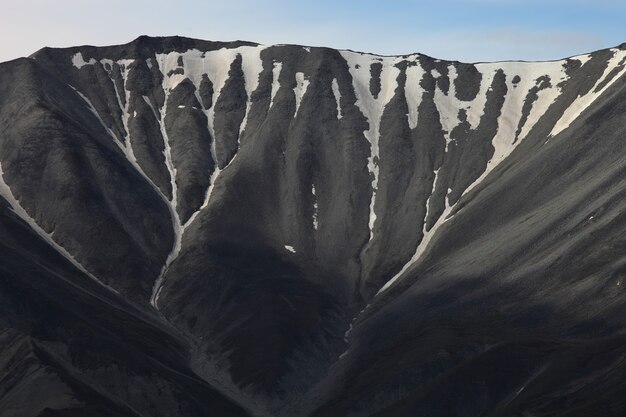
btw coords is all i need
(194, 228)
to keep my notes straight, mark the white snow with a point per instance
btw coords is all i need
(413, 91)
(181, 107)
(149, 63)
(583, 102)
(315, 222)
(432, 192)
(78, 61)
(276, 69)
(5, 191)
(300, 90)
(337, 94)
(372, 108)
(290, 248)
(124, 67)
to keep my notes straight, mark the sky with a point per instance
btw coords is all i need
(465, 30)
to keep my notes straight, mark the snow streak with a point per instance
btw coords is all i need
(372, 108)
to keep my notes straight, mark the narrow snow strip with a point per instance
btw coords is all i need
(315, 222)
(252, 66)
(5, 191)
(78, 61)
(372, 108)
(300, 90)
(124, 66)
(583, 102)
(337, 94)
(432, 192)
(276, 69)
(290, 249)
(413, 91)
(169, 164)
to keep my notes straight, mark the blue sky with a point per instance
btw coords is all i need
(467, 30)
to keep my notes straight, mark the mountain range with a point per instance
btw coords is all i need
(195, 228)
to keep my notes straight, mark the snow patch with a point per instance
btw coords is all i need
(413, 91)
(290, 248)
(79, 62)
(300, 90)
(337, 94)
(276, 69)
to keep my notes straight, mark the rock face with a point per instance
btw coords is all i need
(195, 228)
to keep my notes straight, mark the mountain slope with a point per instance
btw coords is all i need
(332, 232)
